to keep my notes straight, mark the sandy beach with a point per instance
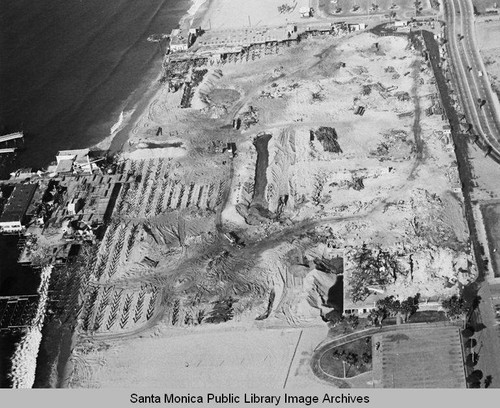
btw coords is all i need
(117, 143)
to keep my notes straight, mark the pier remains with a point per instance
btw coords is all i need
(58, 209)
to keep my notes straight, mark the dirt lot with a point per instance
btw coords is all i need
(203, 357)
(358, 157)
(393, 170)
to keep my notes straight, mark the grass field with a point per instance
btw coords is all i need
(333, 365)
(419, 358)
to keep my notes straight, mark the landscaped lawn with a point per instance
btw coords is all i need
(333, 360)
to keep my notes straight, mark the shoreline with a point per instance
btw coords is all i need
(116, 145)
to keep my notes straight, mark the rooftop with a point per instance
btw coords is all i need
(18, 202)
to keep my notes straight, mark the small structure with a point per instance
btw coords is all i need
(305, 12)
(179, 40)
(360, 111)
(231, 149)
(357, 26)
(74, 206)
(194, 33)
(24, 173)
(361, 308)
(402, 23)
(13, 218)
(73, 161)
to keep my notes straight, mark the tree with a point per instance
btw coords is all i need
(366, 358)
(455, 307)
(475, 376)
(376, 316)
(468, 332)
(471, 359)
(471, 343)
(386, 303)
(487, 381)
(353, 320)
(333, 317)
(409, 306)
(391, 305)
(351, 359)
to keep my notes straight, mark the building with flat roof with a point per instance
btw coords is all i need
(379, 292)
(179, 40)
(73, 161)
(13, 216)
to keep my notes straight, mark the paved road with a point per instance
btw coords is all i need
(490, 351)
(471, 76)
(472, 83)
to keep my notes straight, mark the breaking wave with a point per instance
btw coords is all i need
(194, 8)
(117, 125)
(23, 369)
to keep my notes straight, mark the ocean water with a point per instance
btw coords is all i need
(68, 68)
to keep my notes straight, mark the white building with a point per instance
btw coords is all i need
(305, 12)
(74, 161)
(357, 26)
(179, 40)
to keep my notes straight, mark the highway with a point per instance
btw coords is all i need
(471, 82)
(471, 78)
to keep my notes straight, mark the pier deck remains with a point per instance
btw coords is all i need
(11, 136)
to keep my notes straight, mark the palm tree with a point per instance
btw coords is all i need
(471, 359)
(471, 343)
(350, 359)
